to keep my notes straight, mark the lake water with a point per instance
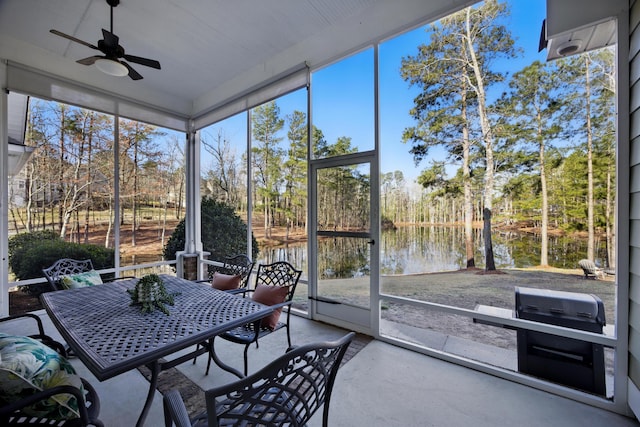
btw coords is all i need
(425, 249)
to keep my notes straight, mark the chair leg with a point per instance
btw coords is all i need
(246, 359)
(196, 357)
(220, 363)
(210, 344)
(288, 337)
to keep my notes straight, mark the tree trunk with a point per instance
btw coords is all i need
(110, 226)
(544, 228)
(487, 136)
(488, 246)
(590, 203)
(468, 197)
(134, 198)
(29, 195)
(266, 218)
(180, 191)
(89, 196)
(61, 180)
(164, 222)
(611, 250)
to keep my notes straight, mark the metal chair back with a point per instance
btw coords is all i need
(239, 264)
(279, 273)
(64, 267)
(288, 391)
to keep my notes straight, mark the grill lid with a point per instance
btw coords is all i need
(569, 305)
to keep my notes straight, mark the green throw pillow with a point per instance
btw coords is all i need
(28, 366)
(81, 280)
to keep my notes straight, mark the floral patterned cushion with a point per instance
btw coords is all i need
(81, 280)
(28, 366)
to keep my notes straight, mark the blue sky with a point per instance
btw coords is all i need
(343, 93)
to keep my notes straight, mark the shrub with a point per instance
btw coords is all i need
(19, 243)
(224, 233)
(40, 254)
(44, 254)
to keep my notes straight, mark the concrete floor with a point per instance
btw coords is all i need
(382, 385)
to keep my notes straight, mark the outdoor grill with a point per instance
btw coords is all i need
(567, 361)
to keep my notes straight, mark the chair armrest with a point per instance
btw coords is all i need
(8, 409)
(229, 291)
(174, 410)
(30, 315)
(243, 291)
(118, 278)
(281, 305)
(40, 336)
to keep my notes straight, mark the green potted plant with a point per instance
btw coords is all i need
(150, 293)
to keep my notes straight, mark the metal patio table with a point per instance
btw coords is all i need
(110, 336)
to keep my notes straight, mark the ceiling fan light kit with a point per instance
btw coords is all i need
(110, 63)
(113, 68)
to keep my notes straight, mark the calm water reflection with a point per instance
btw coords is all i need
(414, 249)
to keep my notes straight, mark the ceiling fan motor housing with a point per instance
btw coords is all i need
(111, 51)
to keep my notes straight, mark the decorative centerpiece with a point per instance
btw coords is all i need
(150, 293)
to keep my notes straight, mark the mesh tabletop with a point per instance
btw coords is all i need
(110, 336)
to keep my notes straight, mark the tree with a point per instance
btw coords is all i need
(137, 149)
(171, 182)
(485, 40)
(591, 92)
(534, 108)
(77, 131)
(441, 113)
(394, 201)
(267, 158)
(222, 176)
(341, 191)
(295, 170)
(453, 71)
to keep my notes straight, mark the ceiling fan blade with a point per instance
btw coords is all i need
(110, 39)
(143, 61)
(73, 39)
(132, 73)
(90, 60)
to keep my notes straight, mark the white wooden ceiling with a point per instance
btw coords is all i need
(210, 50)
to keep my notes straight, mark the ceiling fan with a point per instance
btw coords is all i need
(110, 62)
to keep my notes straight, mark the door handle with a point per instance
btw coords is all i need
(320, 299)
(371, 242)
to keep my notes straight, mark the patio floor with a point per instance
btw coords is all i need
(381, 385)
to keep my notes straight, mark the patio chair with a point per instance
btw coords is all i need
(12, 413)
(275, 286)
(288, 391)
(67, 272)
(224, 278)
(590, 270)
(234, 265)
(40, 336)
(31, 393)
